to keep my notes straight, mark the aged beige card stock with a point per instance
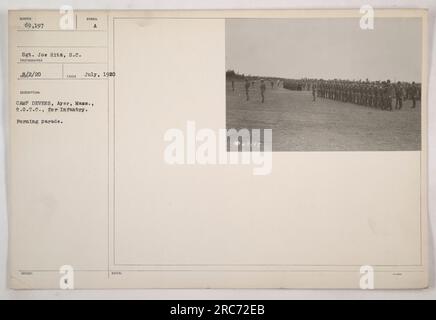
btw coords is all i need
(218, 149)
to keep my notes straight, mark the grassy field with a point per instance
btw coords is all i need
(299, 124)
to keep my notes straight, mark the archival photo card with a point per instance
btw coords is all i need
(218, 149)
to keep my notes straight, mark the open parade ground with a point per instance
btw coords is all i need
(300, 124)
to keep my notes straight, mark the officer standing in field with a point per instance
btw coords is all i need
(359, 93)
(374, 96)
(398, 96)
(364, 94)
(413, 93)
(314, 91)
(389, 95)
(381, 93)
(262, 90)
(247, 86)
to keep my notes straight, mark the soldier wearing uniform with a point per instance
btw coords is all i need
(381, 100)
(374, 96)
(247, 86)
(314, 91)
(389, 95)
(398, 96)
(363, 94)
(359, 93)
(413, 92)
(262, 90)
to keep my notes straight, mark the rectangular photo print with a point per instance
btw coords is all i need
(325, 84)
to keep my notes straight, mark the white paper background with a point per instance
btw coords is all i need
(214, 294)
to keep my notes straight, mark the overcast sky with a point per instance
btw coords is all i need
(325, 48)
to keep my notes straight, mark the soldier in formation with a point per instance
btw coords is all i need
(247, 87)
(262, 90)
(377, 94)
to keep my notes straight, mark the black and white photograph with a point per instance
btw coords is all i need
(326, 84)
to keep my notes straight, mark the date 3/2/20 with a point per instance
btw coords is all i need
(240, 309)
